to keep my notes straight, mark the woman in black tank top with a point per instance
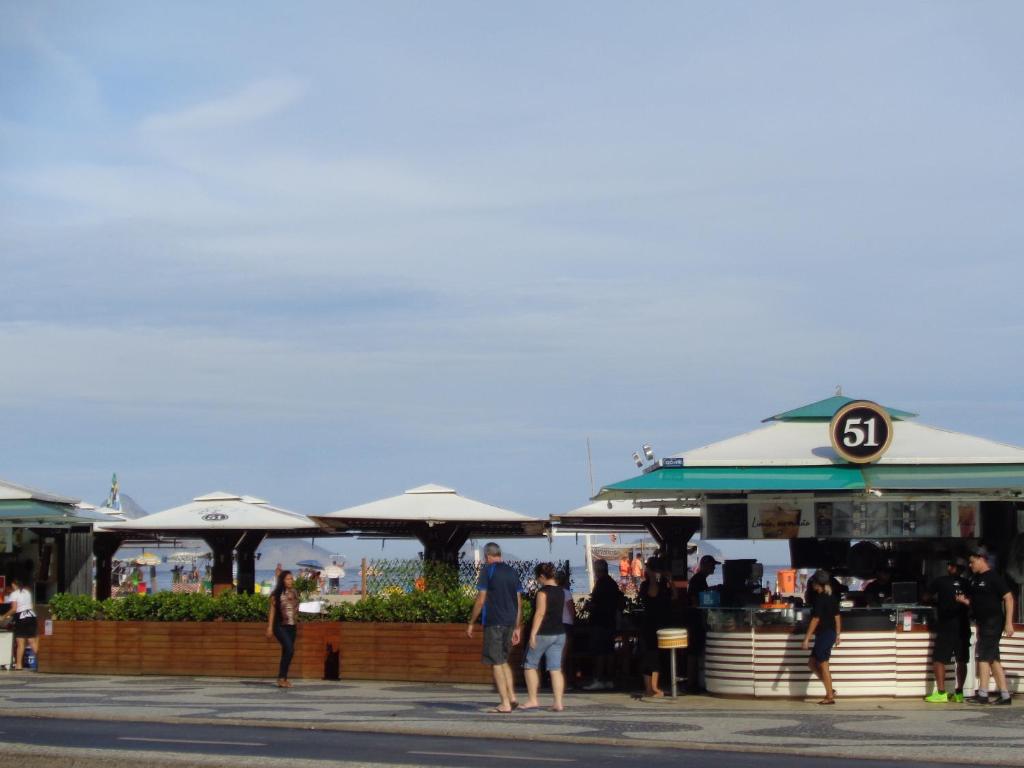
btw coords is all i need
(546, 638)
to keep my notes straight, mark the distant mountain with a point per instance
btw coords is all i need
(130, 508)
(288, 552)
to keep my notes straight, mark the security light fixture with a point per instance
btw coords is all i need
(648, 452)
(636, 458)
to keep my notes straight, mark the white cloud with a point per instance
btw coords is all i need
(254, 102)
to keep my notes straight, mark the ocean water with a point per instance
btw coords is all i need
(351, 579)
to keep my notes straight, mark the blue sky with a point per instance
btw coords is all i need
(327, 252)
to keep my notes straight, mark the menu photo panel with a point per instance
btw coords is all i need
(780, 518)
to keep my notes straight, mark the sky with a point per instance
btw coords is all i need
(327, 252)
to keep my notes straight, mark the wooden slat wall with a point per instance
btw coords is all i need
(421, 652)
(215, 649)
(888, 663)
(413, 652)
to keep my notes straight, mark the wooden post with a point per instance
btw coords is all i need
(245, 557)
(362, 578)
(222, 546)
(104, 546)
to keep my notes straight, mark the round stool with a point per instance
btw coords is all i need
(671, 639)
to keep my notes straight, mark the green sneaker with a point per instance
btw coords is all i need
(939, 697)
(957, 698)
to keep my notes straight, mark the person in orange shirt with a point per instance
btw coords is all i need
(637, 571)
(625, 568)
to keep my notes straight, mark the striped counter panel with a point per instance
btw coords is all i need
(1011, 651)
(887, 663)
(863, 665)
(729, 663)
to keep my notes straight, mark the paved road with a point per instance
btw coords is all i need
(863, 729)
(287, 744)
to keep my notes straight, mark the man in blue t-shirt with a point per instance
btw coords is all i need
(499, 605)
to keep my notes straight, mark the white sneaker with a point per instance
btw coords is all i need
(609, 685)
(595, 685)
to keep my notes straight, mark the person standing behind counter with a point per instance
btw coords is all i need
(825, 626)
(991, 604)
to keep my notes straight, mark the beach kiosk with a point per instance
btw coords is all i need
(853, 487)
(232, 525)
(439, 517)
(45, 540)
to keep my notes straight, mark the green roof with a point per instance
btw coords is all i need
(921, 477)
(824, 410)
(838, 477)
(757, 479)
(31, 513)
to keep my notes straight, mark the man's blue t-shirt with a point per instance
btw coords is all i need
(502, 585)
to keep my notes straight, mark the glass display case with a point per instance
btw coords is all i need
(854, 619)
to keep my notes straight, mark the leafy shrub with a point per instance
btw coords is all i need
(424, 607)
(427, 607)
(163, 606)
(74, 607)
(306, 587)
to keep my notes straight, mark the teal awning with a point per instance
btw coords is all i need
(962, 477)
(824, 410)
(688, 480)
(840, 477)
(29, 513)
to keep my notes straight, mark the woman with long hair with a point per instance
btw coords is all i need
(547, 638)
(284, 613)
(26, 626)
(656, 595)
(825, 626)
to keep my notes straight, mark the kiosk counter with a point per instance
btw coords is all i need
(757, 652)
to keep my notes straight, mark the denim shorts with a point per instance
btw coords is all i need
(549, 647)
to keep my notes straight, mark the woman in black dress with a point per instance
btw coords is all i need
(656, 595)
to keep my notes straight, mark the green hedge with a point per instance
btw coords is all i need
(429, 607)
(163, 606)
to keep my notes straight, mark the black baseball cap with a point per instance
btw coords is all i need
(979, 552)
(710, 559)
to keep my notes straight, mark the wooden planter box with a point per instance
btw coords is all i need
(401, 652)
(439, 653)
(199, 649)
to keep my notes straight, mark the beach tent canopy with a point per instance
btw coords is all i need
(794, 453)
(618, 516)
(220, 512)
(429, 506)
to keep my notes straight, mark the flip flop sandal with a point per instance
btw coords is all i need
(827, 701)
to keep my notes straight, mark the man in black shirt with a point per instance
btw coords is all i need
(992, 606)
(952, 631)
(879, 589)
(606, 603)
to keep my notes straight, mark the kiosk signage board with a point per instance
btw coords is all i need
(802, 516)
